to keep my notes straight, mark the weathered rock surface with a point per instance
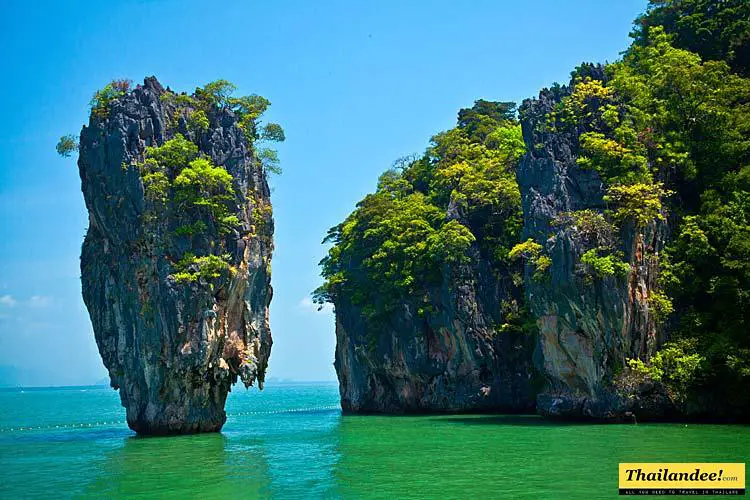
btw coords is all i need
(172, 349)
(449, 359)
(452, 356)
(586, 328)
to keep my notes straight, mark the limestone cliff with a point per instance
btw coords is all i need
(451, 358)
(174, 336)
(587, 327)
(430, 315)
(447, 345)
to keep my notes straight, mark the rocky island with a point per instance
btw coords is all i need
(585, 257)
(176, 262)
(427, 317)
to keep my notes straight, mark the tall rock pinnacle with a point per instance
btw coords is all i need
(175, 265)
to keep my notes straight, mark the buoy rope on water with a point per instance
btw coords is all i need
(123, 422)
(62, 426)
(274, 412)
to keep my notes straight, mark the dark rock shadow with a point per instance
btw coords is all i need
(520, 421)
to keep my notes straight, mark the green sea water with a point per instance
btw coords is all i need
(291, 441)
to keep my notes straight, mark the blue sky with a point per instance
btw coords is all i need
(354, 84)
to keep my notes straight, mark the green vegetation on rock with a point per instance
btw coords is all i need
(192, 201)
(602, 266)
(209, 267)
(677, 365)
(532, 252)
(214, 97)
(668, 130)
(198, 121)
(201, 184)
(102, 98)
(200, 194)
(416, 231)
(717, 30)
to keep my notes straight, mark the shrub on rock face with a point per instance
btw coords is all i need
(677, 365)
(203, 194)
(102, 98)
(198, 121)
(533, 253)
(638, 203)
(207, 268)
(173, 155)
(603, 266)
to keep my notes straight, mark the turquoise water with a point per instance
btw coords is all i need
(290, 441)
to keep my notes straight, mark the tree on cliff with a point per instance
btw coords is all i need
(400, 240)
(716, 30)
(670, 121)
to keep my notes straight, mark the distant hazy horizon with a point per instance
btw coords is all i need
(9, 380)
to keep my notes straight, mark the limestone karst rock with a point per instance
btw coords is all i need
(449, 346)
(177, 289)
(449, 360)
(587, 328)
(450, 335)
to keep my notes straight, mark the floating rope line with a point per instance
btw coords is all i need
(87, 425)
(62, 426)
(295, 410)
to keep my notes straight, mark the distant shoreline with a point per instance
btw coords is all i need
(106, 386)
